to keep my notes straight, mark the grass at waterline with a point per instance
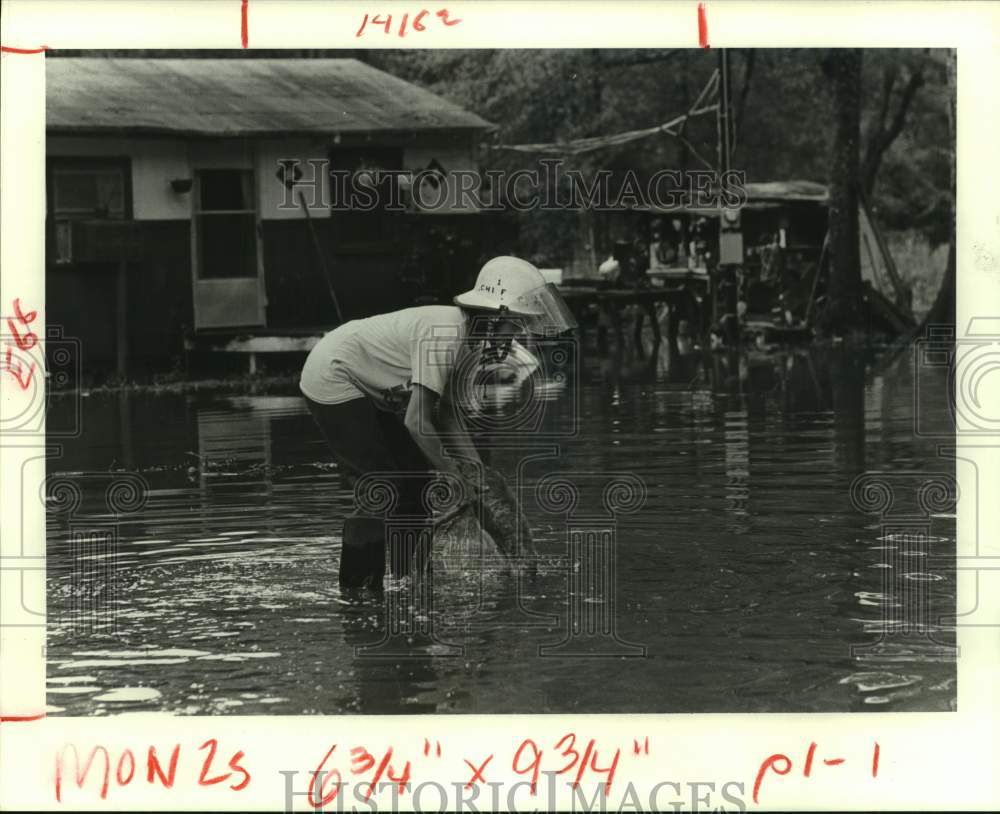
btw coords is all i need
(243, 384)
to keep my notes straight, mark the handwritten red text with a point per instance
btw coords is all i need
(23, 341)
(418, 22)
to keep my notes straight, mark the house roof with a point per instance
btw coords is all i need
(764, 195)
(788, 191)
(240, 97)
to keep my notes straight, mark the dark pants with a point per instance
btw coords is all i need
(365, 440)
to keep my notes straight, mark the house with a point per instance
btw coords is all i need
(169, 225)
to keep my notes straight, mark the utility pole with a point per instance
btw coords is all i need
(725, 127)
(730, 249)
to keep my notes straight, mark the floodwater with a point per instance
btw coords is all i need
(746, 578)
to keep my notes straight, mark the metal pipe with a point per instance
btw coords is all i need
(320, 257)
(725, 125)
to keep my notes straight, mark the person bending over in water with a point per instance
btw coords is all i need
(385, 390)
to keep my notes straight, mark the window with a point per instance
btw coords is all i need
(84, 190)
(225, 224)
(90, 193)
(360, 228)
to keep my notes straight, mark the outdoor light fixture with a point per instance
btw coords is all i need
(181, 185)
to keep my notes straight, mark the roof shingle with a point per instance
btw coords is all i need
(240, 97)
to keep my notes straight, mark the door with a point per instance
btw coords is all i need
(228, 270)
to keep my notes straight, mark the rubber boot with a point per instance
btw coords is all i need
(409, 548)
(362, 555)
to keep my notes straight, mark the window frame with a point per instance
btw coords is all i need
(347, 238)
(198, 215)
(54, 165)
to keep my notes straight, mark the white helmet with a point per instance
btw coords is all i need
(514, 286)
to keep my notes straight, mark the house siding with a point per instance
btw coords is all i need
(81, 298)
(431, 256)
(416, 257)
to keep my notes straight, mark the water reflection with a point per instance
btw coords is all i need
(749, 575)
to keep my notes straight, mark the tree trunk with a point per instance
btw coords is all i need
(843, 307)
(943, 310)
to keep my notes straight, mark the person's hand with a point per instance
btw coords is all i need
(470, 497)
(450, 514)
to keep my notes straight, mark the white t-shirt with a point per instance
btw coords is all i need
(383, 356)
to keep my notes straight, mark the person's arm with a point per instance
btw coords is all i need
(426, 425)
(451, 423)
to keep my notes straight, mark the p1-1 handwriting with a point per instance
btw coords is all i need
(781, 764)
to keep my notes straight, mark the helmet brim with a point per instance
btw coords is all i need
(543, 308)
(480, 301)
(476, 300)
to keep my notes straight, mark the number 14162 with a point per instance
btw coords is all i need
(417, 23)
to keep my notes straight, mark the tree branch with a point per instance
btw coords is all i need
(916, 81)
(882, 137)
(889, 75)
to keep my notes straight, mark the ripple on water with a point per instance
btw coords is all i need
(880, 681)
(910, 538)
(168, 653)
(274, 578)
(120, 663)
(238, 656)
(219, 543)
(129, 694)
(70, 689)
(146, 542)
(875, 598)
(236, 556)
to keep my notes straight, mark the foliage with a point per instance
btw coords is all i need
(920, 264)
(785, 131)
(784, 113)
